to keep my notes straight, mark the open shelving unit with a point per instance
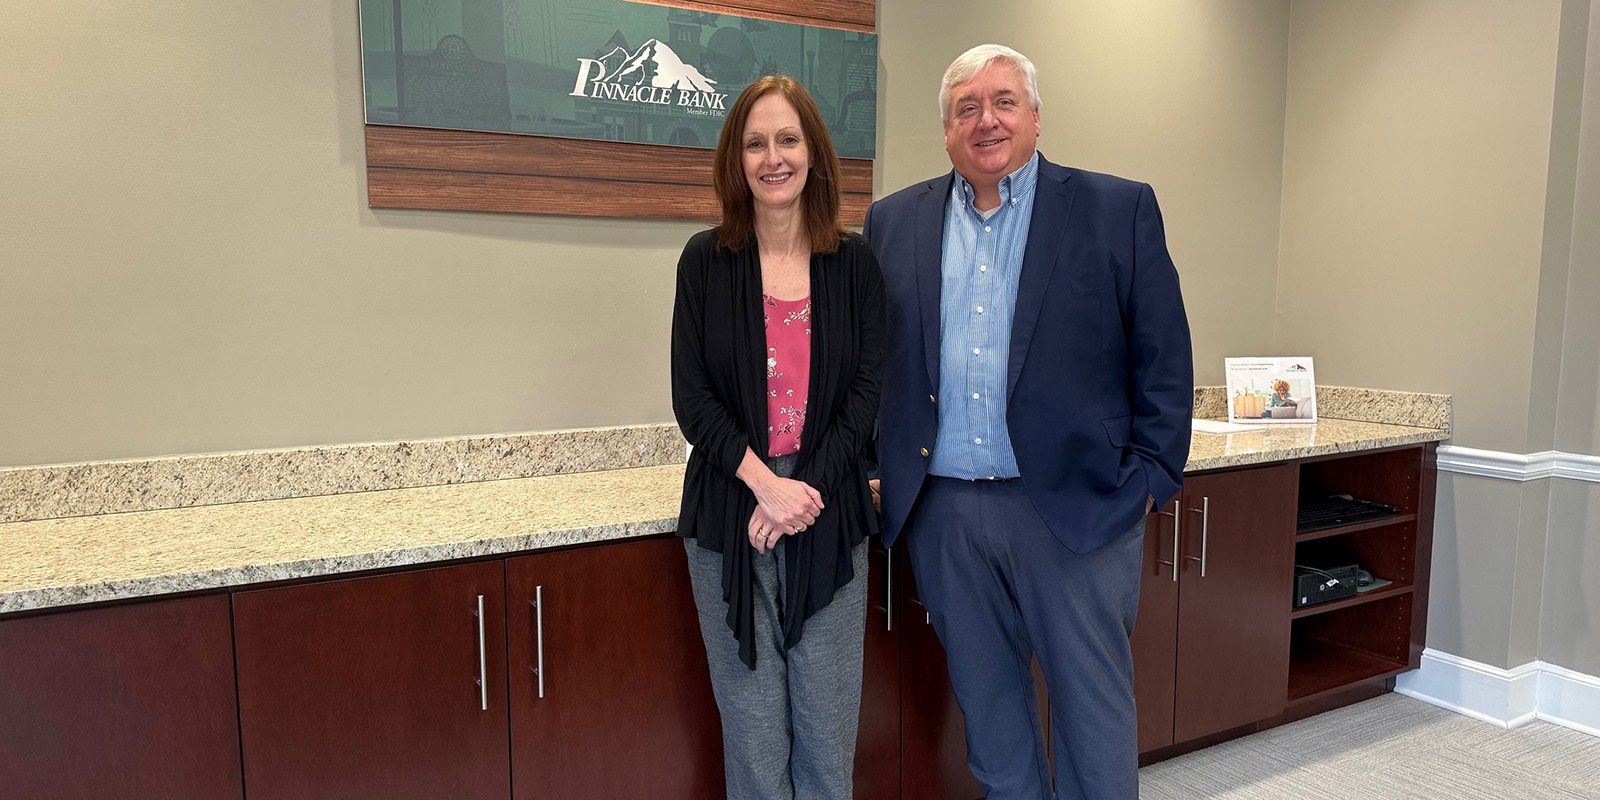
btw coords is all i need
(1363, 598)
(1369, 636)
(1359, 526)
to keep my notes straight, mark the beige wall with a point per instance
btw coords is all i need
(1409, 191)
(189, 264)
(1428, 164)
(1441, 212)
(1569, 633)
(1417, 140)
(1188, 97)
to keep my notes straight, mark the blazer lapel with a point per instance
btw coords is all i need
(1052, 202)
(929, 264)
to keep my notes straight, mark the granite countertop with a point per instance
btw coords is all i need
(1267, 443)
(60, 562)
(52, 563)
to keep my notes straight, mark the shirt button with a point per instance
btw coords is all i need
(980, 309)
(977, 440)
(983, 267)
(976, 351)
(974, 395)
(986, 229)
(1013, 201)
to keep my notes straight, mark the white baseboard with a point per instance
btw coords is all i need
(1570, 699)
(1506, 697)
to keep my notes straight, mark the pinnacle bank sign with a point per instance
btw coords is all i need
(609, 70)
(654, 74)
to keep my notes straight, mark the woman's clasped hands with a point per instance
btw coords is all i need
(783, 506)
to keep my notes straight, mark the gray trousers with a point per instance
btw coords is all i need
(789, 726)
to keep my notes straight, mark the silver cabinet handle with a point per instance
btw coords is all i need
(888, 589)
(483, 662)
(1177, 537)
(538, 631)
(1205, 529)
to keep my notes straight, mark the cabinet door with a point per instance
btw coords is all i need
(1155, 635)
(933, 744)
(132, 701)
(877, 774)
(369, 687)
(1233, 621)
(610, 694)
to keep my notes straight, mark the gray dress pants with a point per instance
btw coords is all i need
(789, 725)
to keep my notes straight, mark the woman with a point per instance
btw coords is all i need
(1280, 395)
(777, 334)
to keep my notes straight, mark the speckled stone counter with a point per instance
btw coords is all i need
(110, 487)
(60, 562)
(49, 563)
(1288, 442)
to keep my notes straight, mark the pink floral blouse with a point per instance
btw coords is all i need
(788, 371)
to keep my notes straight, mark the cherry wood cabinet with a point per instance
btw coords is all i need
(132, 701)
(1211, 642)
(610, 692)
(396, 686)
(1234, 586)
(374, 687)
(1155, 632)
(877, 769)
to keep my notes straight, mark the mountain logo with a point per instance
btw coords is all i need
(652, 74)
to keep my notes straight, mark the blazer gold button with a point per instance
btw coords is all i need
(931, 400)
(924, 452)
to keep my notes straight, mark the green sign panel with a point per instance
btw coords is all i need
(602, 69)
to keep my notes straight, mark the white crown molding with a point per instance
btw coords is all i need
(1516, 466)
(1506, 697)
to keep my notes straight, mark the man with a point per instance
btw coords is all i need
(1036, 404)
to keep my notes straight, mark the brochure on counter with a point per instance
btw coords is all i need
(1271, 390)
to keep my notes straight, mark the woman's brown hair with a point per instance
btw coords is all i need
(819, 199)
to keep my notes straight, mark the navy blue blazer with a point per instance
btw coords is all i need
(1101, 372)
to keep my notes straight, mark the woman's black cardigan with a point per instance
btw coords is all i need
(719, 394)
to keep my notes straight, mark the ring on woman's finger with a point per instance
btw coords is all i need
(799, 528)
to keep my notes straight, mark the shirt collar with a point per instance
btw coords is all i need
(1013, 187)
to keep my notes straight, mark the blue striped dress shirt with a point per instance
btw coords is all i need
(981, 265)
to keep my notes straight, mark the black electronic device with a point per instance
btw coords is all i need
(1340, 509)
(1313, 585)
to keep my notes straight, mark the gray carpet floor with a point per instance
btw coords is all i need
(1391, 747)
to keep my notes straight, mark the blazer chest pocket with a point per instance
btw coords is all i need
(1118, 430)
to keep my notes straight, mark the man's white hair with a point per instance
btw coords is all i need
(970, 63)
